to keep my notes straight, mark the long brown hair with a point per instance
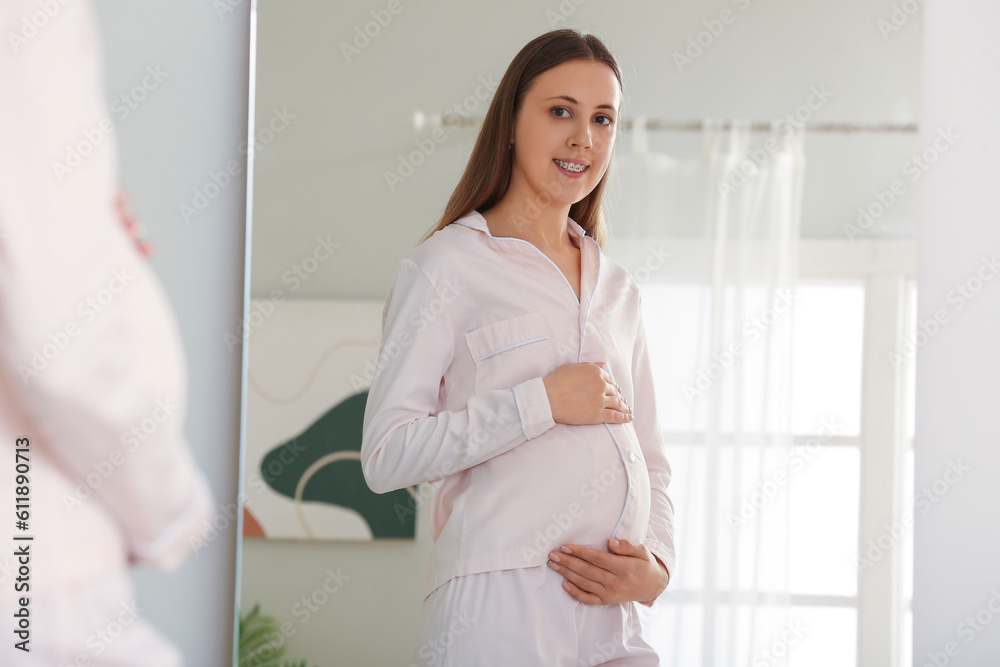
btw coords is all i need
(487, 173)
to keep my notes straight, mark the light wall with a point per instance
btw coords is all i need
(957, 541)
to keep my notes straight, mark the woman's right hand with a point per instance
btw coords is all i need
(585, 393)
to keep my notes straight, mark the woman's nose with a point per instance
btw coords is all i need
(582, 137)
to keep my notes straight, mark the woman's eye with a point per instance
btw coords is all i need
(608, 118)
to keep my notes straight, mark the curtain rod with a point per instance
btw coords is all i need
(422, 120)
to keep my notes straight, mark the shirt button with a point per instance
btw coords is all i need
(631, 457)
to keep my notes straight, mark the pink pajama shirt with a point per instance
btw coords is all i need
(92, 367)
(471, 326)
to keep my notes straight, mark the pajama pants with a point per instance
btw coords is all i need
(524, 617)
(96, 625)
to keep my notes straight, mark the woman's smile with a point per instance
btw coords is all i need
(572, 169)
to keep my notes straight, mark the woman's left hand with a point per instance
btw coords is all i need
(628, 572)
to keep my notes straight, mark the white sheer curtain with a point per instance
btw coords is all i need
(727, 222)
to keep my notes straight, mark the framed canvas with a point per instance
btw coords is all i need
(310, 365)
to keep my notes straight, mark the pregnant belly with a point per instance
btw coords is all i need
(568, 485)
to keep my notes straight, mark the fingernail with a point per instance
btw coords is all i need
(614, 542)
(554, 556)
(565, 549)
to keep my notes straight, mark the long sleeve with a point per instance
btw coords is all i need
(660, 534)
(88, 336)
(405, 439)
(110, 407)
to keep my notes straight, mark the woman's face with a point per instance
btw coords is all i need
(569, 115)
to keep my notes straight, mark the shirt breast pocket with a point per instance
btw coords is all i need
(510, 351)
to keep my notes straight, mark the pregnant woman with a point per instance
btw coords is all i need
(514, 377)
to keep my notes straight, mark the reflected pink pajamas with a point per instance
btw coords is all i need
(470, 329)
(525, 618)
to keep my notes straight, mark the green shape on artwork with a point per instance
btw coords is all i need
(340, 482)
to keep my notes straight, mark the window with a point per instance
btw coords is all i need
(849, 372)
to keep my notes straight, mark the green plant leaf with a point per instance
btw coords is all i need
(260, 641)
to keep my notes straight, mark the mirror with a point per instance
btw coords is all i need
(804, 114)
